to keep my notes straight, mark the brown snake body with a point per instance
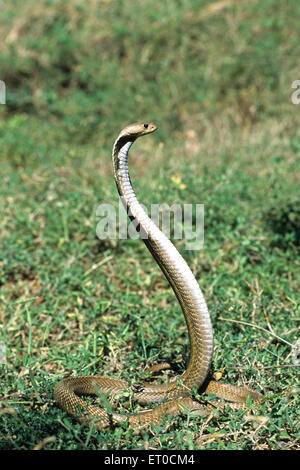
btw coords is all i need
(176, 396)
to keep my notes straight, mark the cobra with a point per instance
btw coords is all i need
(175, 397)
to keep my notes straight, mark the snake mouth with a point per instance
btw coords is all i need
(150, 127)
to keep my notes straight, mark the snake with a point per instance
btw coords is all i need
(177, 395)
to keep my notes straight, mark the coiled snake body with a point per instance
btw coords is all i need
(176, 396)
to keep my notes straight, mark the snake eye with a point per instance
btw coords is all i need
(146, 125)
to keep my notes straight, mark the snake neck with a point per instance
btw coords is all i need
(175, 270)
(121, 173)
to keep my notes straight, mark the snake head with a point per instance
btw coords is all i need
(131, 133)
(138, 129)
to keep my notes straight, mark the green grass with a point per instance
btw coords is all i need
(217, 82)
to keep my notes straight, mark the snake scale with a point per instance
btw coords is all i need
(176, 397)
